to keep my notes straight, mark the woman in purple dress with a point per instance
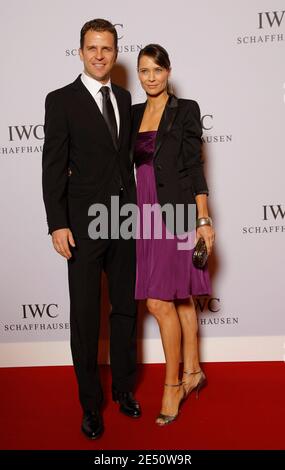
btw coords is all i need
(166, 147)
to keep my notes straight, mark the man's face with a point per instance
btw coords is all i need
(98, 54)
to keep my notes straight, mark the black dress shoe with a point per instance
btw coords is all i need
(128, 405)
(92, 424)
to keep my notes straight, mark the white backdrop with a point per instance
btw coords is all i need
(227, 55)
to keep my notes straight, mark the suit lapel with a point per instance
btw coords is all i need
(95, 112)
(165, 125)
(136, 122)
(120, 103)
(166, 122)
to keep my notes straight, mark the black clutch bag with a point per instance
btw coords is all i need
(200, 254)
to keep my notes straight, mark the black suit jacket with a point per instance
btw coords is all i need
(178, 165)
(81, 164)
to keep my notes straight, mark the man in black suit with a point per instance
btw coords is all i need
(86, 161)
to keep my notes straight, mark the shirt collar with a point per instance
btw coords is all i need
(93, 85)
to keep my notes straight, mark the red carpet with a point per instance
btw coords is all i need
(242, 407)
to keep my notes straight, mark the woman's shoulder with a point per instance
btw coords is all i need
(138, 106)
(137, 109)
(188, 108)
(187, 103)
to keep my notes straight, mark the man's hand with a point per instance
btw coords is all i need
(61, 240)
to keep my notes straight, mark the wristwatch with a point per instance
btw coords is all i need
(204, 221)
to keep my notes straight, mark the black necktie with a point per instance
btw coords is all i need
(109, 114)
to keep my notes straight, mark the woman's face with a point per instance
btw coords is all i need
(153, 77)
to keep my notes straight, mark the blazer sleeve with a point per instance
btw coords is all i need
(55, 163)
(192, 148)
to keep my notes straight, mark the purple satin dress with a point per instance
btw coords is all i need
(163, 271)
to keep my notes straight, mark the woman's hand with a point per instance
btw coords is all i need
(208, 233)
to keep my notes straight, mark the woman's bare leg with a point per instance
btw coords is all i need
(170, 330)
(189, 325)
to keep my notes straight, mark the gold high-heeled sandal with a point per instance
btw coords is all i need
(202, 382)
(167, 419)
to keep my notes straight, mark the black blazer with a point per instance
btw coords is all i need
(178, 166)
(81, 164)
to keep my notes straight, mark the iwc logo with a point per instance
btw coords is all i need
(123, 47)
(273, 216)
(39, 318)
(210, 136)
(268, 29)
(210, 314)
(24, 139)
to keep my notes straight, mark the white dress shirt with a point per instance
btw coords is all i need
(93, 86)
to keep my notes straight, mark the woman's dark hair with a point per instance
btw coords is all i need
(157, 53)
